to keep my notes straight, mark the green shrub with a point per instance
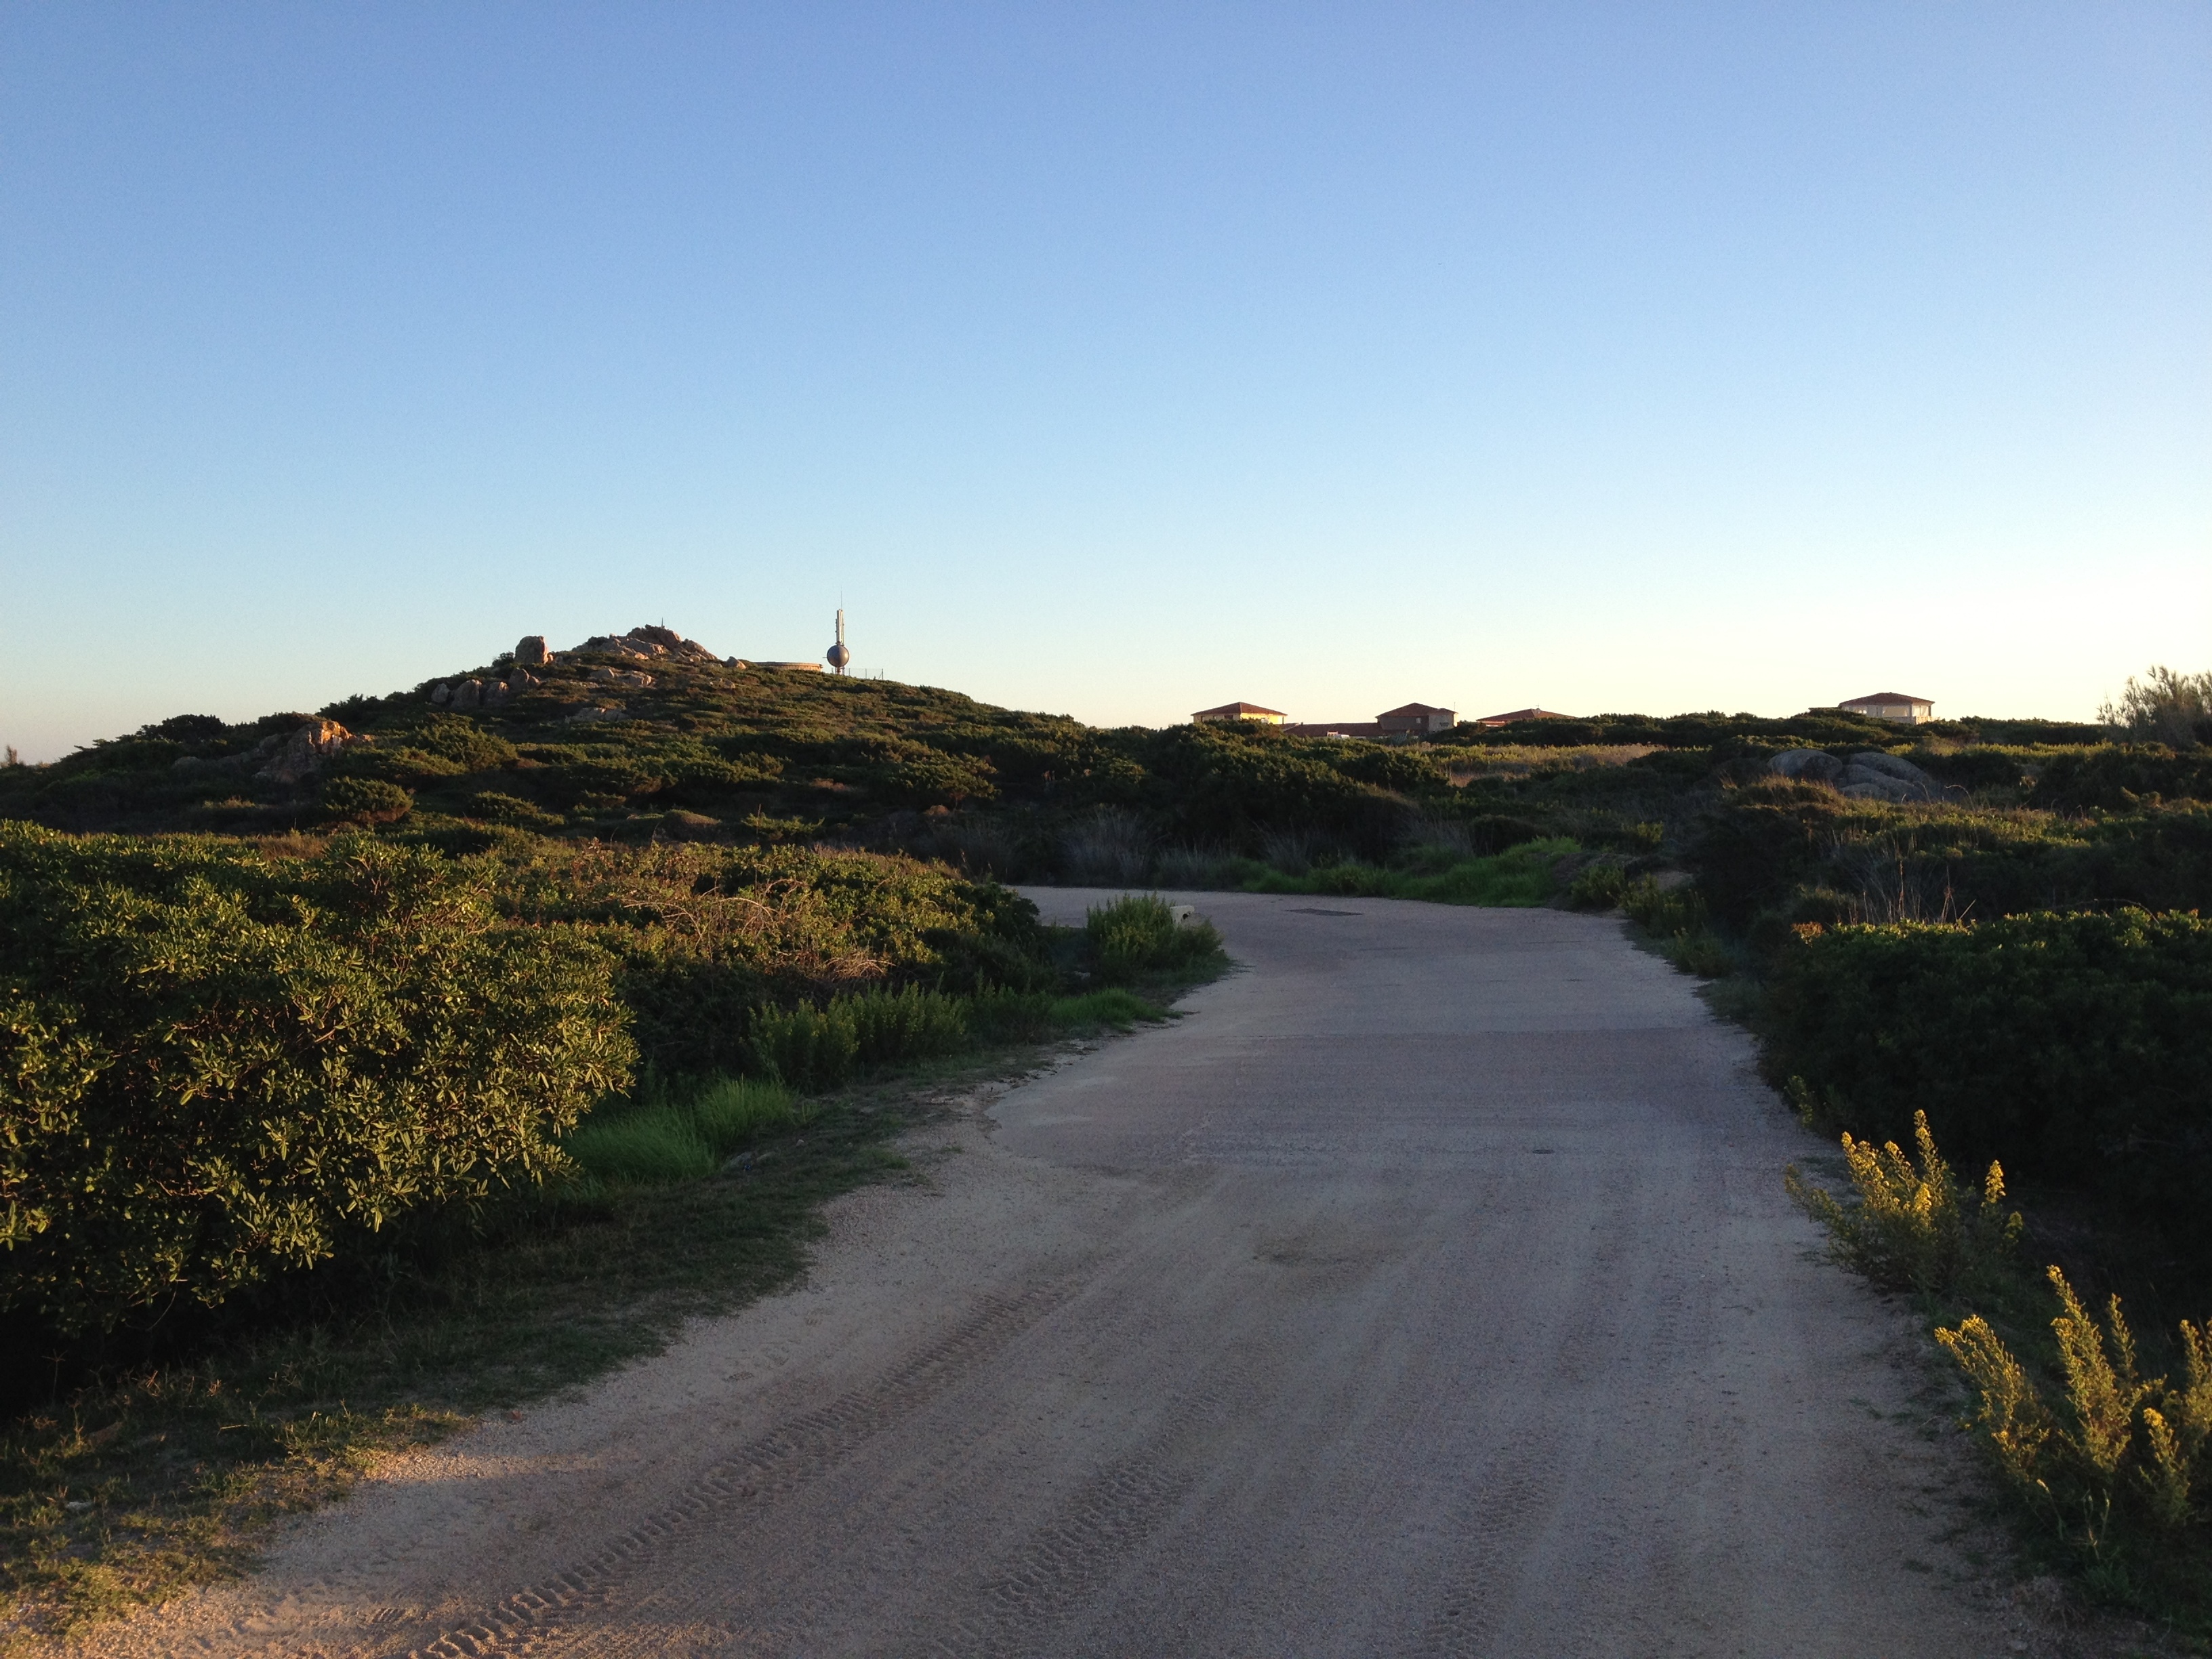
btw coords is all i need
(1520, 877)
(1675, 919)
(1349, 880)
(2117, 779)
(366, 800)
(808, 1047)
(398, 763)
(1491, 833)
(2078, 1046)
(889, 1027)
(1035, 1016)
(1137, 935)
(1002, 1014)
(1598, 887)
(457, 738)
(2165, 706)
(500, 808)
(215, 1066)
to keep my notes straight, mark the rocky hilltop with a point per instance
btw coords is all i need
(640, 644)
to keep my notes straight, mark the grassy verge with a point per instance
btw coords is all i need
(1519, 876)
(143, 1480)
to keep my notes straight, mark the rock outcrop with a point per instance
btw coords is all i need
(1809, 765)
(486, 694)
(1871, 775)
(642, 643)
(301, 753)
(621, 645)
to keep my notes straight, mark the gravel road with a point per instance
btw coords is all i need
(1429, 1291)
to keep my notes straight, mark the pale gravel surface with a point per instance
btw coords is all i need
(1431, 1290)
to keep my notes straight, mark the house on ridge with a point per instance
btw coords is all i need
(1413, 719)
(1417, 717)
(1891, 706)
(1239, 711)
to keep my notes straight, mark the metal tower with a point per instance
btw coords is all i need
(838, 656)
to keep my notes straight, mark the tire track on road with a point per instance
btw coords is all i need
(776, 1464)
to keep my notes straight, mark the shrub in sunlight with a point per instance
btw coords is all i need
(2114, 1439)
(1911, 1226)
(216, 1067)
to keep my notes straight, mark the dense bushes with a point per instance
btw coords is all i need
(2120, 777)
(366, 800)
(2077, 1048)
(1796, 851)
(704, 935)
(214, 1066)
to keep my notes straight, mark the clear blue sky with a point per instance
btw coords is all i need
(1110, 360)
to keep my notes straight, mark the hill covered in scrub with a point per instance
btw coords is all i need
(646, 739)
(646, 736)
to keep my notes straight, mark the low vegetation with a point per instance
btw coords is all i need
(597, 961)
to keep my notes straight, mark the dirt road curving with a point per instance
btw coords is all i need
(1430, 1291)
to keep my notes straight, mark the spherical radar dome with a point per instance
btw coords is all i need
(838, 656)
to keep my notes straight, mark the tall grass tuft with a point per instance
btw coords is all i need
(1912, 1228)
(652, 1147)
(1110, 846)
(733, 1112)
(815, 1048)
(667, 1138)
